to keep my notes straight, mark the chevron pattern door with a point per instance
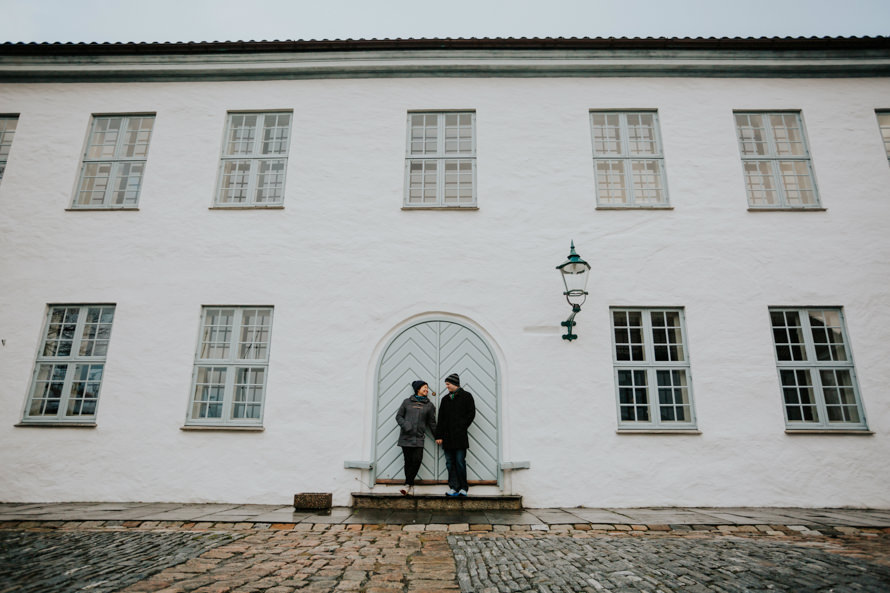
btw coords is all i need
(431, 351)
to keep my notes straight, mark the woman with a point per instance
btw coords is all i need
(416, 414)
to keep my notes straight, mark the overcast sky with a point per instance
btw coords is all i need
(230, 20)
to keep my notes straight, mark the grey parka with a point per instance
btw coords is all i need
(414, 418)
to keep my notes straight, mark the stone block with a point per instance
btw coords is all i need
(313, 501)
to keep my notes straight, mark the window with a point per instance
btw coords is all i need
(70, 364)
(816, 369)
(8, 124)
(254, 160)
(627, 159)
(652, 369)
(229, 380)
(114, 162)
(883, 123)
(776, 161)
(441, 163)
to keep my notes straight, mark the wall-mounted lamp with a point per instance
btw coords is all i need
(574, 275)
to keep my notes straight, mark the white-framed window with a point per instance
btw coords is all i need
(776, 160)
(816, 372)
(652, 373)
(628, 161)
(70, 364)
(231, 366)
(254, 160)
(884, 126)
(114, 161)
(8, 125)
(440, 165)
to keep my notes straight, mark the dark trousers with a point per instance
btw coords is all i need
(413, 457)
(456, 462)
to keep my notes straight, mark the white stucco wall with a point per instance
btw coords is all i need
(494, 267)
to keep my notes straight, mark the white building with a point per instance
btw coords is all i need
(222, 264)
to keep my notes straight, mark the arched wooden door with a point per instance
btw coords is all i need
(431, 351)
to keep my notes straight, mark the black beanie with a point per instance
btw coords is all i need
(453, 379)
(417, 385)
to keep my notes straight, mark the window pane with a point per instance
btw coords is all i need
(235, 182)
(797, 182)
(217, 333)
(254, 341)
(7, 131)
(633, 398)
(759, 183)
(800, 404)
(103, 140)
(787, 134)
(673, 396)
(629, 336)
(84, 390)
(60, 331)
(270, 182)
(828, 336)
(276, 133)
(884, 124)
(641, 138)
(424, 134)
(248, 399)
(96, 331)
(127, 182)
(48, 386)
(607, 134)
(610, 182)
(646, 179)
(137, 136)
(422, 182)
(94, 183)
(458, 134)
(667, 338)
(209, 392)
(242, 135)
(840, 397)
(788, 336)
(752, 134)
(458, 181)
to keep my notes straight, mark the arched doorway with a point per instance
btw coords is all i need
(432, 350)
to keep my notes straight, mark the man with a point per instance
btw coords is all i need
(456, 413)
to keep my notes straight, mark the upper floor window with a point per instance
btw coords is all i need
(254, 160)
(816, 372)
(229, 379)
(884, 124)
(8, 124)
(114, 162)
(70, 364)
(778, 172)
(440, 166)
(652, 374)
(628, 161)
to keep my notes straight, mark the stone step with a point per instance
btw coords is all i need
(436, 502)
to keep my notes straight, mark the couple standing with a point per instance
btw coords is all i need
(456, 413)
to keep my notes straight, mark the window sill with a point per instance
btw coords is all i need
(659, 207)
(223, 428)
(686, 431)
(835, 431)
(276, 207)
(103, 209)
(25, 424)
(790, 209)
(471, 208)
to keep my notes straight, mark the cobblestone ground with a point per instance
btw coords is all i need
(99, 562)
(187, 557)
(555, 564)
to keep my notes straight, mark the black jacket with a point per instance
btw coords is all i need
(455, 417)
(414, 417)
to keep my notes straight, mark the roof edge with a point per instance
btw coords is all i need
(500, 43)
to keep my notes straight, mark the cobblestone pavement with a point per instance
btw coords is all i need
(189, 557)
(557, 564)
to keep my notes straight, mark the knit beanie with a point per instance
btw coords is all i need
(453, 379)
(417, 385)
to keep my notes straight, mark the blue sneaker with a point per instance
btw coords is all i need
(462, 493)
(452, 493)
